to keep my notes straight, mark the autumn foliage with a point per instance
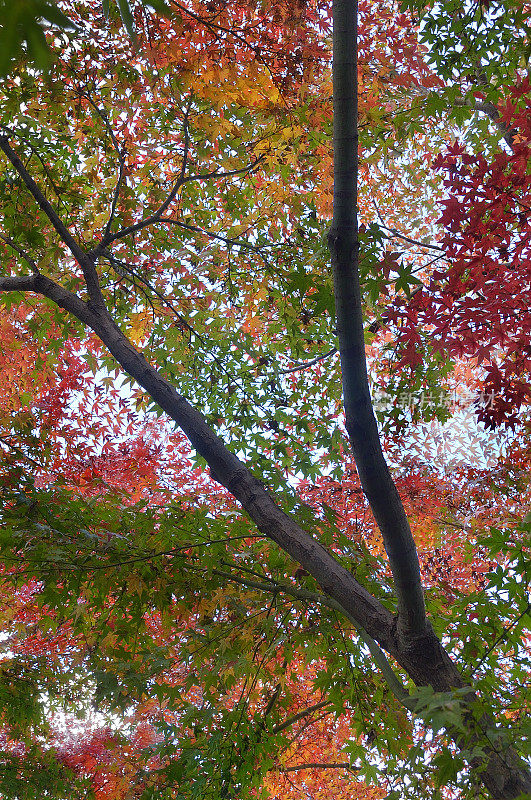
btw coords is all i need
(155, 643)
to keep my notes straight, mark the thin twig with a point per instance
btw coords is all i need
(500, 638)
(318, 765)
(157, 215)
(399, 235)
(396, 234)
(300, 715)
(214, 26)
(306, 364)
(85, 261)
(217, 236)
(392, 680)
(22, 253)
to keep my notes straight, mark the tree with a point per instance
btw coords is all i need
(162, 204)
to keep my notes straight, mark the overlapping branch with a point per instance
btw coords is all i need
(225, 467)
(411, 642)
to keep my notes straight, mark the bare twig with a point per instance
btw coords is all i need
(300, 715)
(306, 364)
(396, 233)
(308, 724)
(501, 637)
(481, 106)
(318, 765)
(103, 116)
(116, 193)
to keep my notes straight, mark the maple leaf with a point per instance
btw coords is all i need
(256, 623)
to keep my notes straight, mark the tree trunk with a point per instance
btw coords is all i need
(408, 637)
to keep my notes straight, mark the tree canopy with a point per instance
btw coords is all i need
(264, 399)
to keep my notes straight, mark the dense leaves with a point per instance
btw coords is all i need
(155, 644)
(479, 307)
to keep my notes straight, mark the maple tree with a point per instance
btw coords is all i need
(213, 583)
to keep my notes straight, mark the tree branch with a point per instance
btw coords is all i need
(300, 715)
(22, 253)
(306, 364)
(343, 592)
(490, 110)
(419, 652)
(483, 107)
(379, 657)
(213, 27)
(42, 285)
(317, 765)
(120, 150)
(18, 283)
(343, 241)
(216, 236)
(83, 259)
(157, 215)
(224, 465)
